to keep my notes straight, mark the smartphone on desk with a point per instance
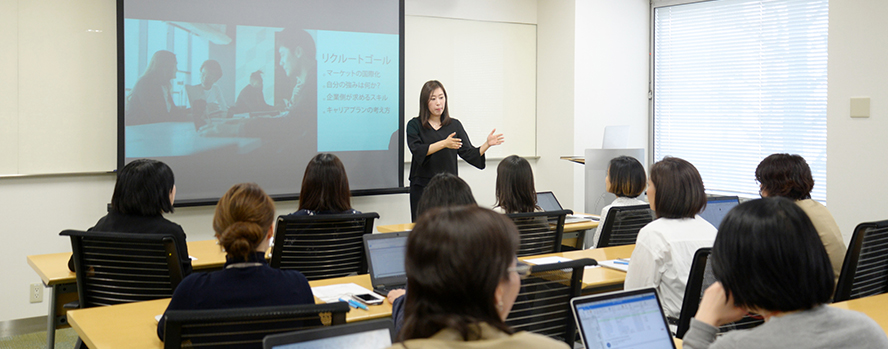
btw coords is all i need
(368, 299)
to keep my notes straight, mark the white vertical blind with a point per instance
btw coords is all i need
(738, 80)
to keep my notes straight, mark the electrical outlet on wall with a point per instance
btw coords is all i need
(36, 293)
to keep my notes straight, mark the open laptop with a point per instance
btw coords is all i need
(717, 207)
(623, 319)
(546, 200)
(385, 257)
(376, 334)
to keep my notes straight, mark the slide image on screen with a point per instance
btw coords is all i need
(239, 91)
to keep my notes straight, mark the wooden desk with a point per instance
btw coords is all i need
(574, 233)
(600, 279)
(53, 270)
(876, 307)
(132, 325)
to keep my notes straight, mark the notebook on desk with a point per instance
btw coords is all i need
(623, 319)
(717, 207)
(376, 334)
(385, 259)
(546, 200)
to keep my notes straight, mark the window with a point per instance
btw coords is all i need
(738, 80)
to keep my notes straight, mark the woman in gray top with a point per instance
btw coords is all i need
(768, 260)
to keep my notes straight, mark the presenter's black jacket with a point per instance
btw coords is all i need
(424, 167)
(116, 222)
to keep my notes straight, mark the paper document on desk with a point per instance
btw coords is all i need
(547, 260)
(332, 293)
(621, 264)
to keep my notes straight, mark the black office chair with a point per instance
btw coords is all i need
(322, 246)
(622, 224)
(245, 327)
(543, 304)
(114, 268)
(699, 279)
(541, 232)
(865, 269)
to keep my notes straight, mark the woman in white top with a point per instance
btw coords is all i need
(625, 179)
(665, 247)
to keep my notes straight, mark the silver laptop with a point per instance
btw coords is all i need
(546, 200)
(717, 208)
(385, 258)
(375, 334)
(620, 320)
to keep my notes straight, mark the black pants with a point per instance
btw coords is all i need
(415, 193)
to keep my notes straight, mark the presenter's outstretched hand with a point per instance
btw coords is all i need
(452, 142)
(495, 139)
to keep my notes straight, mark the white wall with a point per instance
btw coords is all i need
(857, 155)
(611, 81)
(36, 209)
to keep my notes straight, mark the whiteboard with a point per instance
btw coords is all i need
(58, 89)
(489, 71)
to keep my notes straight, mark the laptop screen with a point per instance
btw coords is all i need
(717, 208)
(628, 319)
(547, 201)
(386, 254)
(375, 334)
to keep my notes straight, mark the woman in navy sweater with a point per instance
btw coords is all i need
(244, 225)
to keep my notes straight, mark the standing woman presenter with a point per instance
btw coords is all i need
(435, 139)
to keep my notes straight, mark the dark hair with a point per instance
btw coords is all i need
(242, 220)
(256, 75)
(162, 61)
(768, 255)
(445, 189)
(785, 175)
(456, 257)
(424, 95)
(293, 38)
(212, 66)
(679, 189)
(325, 185)
(627, 177)
(515, 192)
(143, 188)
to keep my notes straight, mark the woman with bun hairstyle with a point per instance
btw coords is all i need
(244, 226)
(515, 192)
(324, 188)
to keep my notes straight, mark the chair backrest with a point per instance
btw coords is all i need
(543, 304)
(114, 268)
(540, 232)
(622, 224)
(865, 270)
(322, 246)
(245, 327)
(699, 280)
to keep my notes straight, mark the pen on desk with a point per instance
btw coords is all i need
(357, 305)
(350, 302)
(619, 261)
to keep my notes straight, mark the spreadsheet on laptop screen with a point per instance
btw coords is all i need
(376, 339)
(633, 321)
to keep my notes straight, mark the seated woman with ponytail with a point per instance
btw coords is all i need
(244, 225)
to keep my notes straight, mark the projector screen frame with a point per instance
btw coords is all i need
(121, 126)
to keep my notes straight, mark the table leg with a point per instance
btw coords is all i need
(51, 319)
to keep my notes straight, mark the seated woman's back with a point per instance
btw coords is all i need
(625, 179)
(456, 299)
(243, 223)
(515, 192)
(325, 188)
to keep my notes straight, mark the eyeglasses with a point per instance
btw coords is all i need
(522, 269)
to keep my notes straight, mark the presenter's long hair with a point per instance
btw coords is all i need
(325, 185)
(143, 188)
(456, 257)
(515, 192)
(243, 218)
(424, 95)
